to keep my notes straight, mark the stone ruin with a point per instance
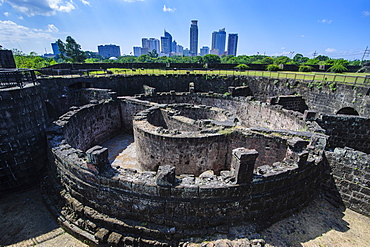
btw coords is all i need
(205, 163)
(202, 169)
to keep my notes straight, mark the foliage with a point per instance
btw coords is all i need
(299, 59)
(305, 68)
(339, 66)
(31, 61)
(272, 67)
(211, 58)
(282, 60)
(153, 53)
(242, 67)
(70, 51)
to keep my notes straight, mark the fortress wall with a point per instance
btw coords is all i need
(350, 176)
(22, 136)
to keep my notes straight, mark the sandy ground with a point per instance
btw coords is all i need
(26, 221)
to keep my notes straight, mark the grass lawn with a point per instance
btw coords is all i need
(350, 78)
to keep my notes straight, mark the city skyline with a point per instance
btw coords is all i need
(273, 28)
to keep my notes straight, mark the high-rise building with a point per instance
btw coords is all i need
(137, 51)
(180, 49)
(232, 44)
(154, 45)
(186, 52)
(204, 50)
(108, 51)
(219, 41)
(145, 43)
(174, 47)
(166, 43)
(55, 48)
(193, 38)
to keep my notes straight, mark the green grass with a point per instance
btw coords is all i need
(347, 78)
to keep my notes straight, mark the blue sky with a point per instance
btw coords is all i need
(337, 28)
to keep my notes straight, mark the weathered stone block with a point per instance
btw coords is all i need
(102, 235)
(98, 157)
(166, 176)
(114, 239)
(242, 163)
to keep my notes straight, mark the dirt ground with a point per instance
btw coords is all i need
(25, 221)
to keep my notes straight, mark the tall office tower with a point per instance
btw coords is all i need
(232, 44)
(55, 48)
(154, 45)
(204, 50)
(137, 51)
(108, 51)
(145, 43)
(166, 43)
(219, 41)
(180, 49)
(194, 38)
(174, 46)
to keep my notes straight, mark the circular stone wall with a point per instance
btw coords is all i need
(191, 138)
(129, 206)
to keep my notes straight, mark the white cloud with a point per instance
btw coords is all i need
(165, 9)
(6, 14)
(330, 50)
(366, 13)
(11, 32)
(41, 7)
(85, 2)
(52, 28)
(325, 21)
(302, 36)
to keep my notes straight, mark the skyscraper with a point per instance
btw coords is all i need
(232, 44)
(166, 43)
(204, 50)
(194, 38)
(154, 45)
(108, 51)
(219, 41)
(55, 48)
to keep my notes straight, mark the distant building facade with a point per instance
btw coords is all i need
(204, 50)
(219, 41)
(55, 48)
(137, 51)
(193, 38)
(232, 44)
(166, 43)
(107, 51)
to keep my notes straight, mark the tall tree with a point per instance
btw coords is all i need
(210, 58)
(71, 51)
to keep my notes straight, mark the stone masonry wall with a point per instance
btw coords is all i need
(350, 171)
(22, 136)
(251, 113)
(91, 124)
(344, 130)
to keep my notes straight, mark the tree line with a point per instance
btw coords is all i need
(70, 52)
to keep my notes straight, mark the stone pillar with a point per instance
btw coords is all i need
(98, 157)
(243, 164)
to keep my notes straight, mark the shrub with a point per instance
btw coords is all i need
(305, 68)
(242, 67)
(338, 68)
(272, 67)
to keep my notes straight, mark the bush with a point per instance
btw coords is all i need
(305, 68)
(272, 67)
(338, 68)
(242, 67)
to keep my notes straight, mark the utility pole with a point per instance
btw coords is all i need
(314, 54)
(366, 52)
